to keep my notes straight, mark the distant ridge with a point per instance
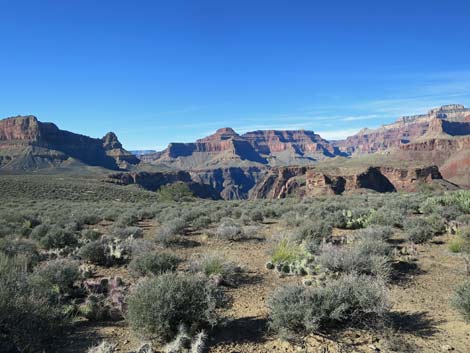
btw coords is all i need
(28, 144)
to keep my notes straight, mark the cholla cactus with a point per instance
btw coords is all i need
(184, 344)
(181, 343)
(199, 342)
(103, 347)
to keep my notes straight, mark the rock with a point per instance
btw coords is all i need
(447, 348)
(32, 144)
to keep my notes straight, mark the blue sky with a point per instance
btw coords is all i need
(162, 71)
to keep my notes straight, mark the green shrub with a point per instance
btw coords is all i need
(387, 217)
(420, 230)
(158, 306)
(58, 238)
(21, 247)
(461, 300)
(201, 222)
(456, 244)
(107, 251)
(91, 234)
(348, 300)
(153, 264)
(217, 268)
(315, 232)
(27, 320)
(177, 192)
(59, 275)
(287, 251)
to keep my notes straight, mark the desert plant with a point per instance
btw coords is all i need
(170, 233)
(58, 275)
(128, 232)
(58, 238)
(21, 247)
(419, 230)
(230, 231)
(348, 300)
(153, 264)
(286, 251)
(158, 306)
(24, 311)
(366, 256)
(176, 192)
(461, 300)
(216, 268)
(106, 252)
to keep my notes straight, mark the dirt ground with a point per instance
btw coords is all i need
(422, 319)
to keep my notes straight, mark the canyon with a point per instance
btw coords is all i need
(432, 148)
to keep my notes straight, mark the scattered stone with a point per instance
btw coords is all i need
(447, 348)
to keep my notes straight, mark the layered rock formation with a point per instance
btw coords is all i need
(450, 119)
(226, 148)
(26, 143)
(307, 181)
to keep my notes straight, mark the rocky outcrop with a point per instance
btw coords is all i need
(153, 181)
(450, 119)
(26, 143)
(308, 181)
(297, 142)
(233, 183)
(226, 148)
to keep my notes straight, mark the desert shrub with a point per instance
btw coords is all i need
(216, 268)
(91, 234)
(23, 247)
(315, 232)
(366, 256)
(127, 219)
(106, 251)
(94, 252)
(58, 275)
(112, 214)
(257, 216)
(39, 232)
(158, 306)
(350, 299)
(459, 199)
(419, 230)
(376, 232)
(88, 219)
(437, 223)
(153, 264)
(461, 300)
(128, 232)
(201, 222)
(387, 217)
(230, 231)
(170, 233)
(177, 192)
(58, 238)
(27, 320)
